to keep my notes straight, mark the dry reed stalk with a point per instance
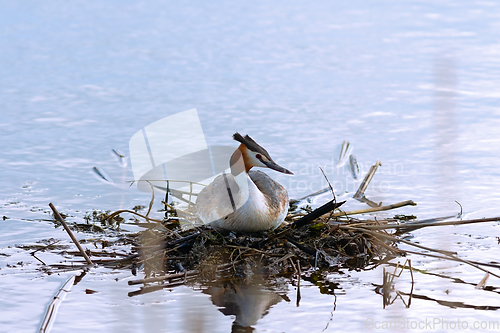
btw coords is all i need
(376, 209)
(68, 230)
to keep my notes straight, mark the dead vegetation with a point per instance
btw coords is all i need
(324, 240)
(308, 245)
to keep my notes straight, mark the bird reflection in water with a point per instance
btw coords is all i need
(248, 301)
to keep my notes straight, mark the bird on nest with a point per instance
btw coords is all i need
(245, 200)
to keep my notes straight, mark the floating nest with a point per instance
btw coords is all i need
(309, 241)
(309, 244)
(279, 252)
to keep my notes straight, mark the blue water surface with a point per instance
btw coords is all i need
(413, 84)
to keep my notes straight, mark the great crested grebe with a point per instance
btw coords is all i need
(245, 200)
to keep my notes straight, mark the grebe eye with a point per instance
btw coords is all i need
(258, 156)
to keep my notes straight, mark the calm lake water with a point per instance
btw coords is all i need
(413, 84)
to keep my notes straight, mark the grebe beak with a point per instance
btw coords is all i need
(274, 166)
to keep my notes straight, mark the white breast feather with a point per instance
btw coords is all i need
(264, 208)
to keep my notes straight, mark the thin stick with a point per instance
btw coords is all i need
(298, 283)
(482, 283)
(412, 282)
(461, 210)
(333, 192)
(164, 180)
(429, 224)
(150, 202)
(376, 209)
(118, 261)
(149, 289)
(131, 212)
(50, 314)
(450, 258)
(68, 230)
(330, 185)
(360, 193)
(326, 189)
(293, 265)
(369, 223)
(446, 253)
(163, 277)
(42, 248)
(172, 244)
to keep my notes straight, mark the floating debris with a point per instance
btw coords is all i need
(122, 159)
(345, 151)
(353, 166)
(101, 175)
(309, 242)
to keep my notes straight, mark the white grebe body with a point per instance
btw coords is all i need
(245, 200)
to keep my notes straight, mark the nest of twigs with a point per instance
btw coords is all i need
(308, 241)
(317, 245)
(313, 242)
(322, 240)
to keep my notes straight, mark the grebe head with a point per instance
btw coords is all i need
(254, 155)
